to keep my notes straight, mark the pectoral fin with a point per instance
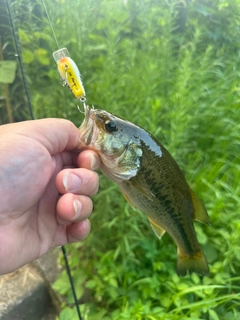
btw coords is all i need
(136, 183)
(200, 212)
(159, 231)
(129, 201)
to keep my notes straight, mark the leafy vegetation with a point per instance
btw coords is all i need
(171, 67)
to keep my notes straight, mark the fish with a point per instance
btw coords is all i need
(150, 180)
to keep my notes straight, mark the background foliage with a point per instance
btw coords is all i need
(171, 67)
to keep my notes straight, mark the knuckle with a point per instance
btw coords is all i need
(92, 183)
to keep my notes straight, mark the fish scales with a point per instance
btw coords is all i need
(163, 209)
(150, 180)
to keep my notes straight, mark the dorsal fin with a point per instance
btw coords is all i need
(200, 212)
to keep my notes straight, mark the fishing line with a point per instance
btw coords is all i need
(32, 117)
(49, 20)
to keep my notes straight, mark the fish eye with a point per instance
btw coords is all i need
(110, 126)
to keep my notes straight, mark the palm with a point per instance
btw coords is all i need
(29, 223)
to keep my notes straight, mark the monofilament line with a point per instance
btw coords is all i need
(49, 20)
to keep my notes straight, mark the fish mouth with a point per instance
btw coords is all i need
(86, 129)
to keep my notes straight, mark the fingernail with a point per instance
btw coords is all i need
(85, 229)
(71, 182)
(77, 207)
(94, 163)
(88, 226)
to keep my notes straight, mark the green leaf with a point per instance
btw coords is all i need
(91, 284)
(98, 315)
(7, 71)
(213, 315)
(42, 56)
(42, 35)
(69, 314)
(24, 36)
(62, 284)
(27, 56)
(202, 9)
(79, 292)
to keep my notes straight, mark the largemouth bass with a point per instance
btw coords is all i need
(150, 179)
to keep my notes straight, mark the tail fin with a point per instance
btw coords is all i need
(195, 263)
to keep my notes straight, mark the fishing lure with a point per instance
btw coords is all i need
(69, 73)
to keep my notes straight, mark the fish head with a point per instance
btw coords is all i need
(115, 140)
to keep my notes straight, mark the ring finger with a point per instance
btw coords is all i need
(73, 208)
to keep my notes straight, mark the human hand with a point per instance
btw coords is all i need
(44, 189)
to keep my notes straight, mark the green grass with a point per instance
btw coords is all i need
(183, 87)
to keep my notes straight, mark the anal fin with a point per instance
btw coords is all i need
(159, 231)
(200, 212)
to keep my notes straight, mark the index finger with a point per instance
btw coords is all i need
(56, 135)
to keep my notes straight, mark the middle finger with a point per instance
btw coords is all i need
(77, 181)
